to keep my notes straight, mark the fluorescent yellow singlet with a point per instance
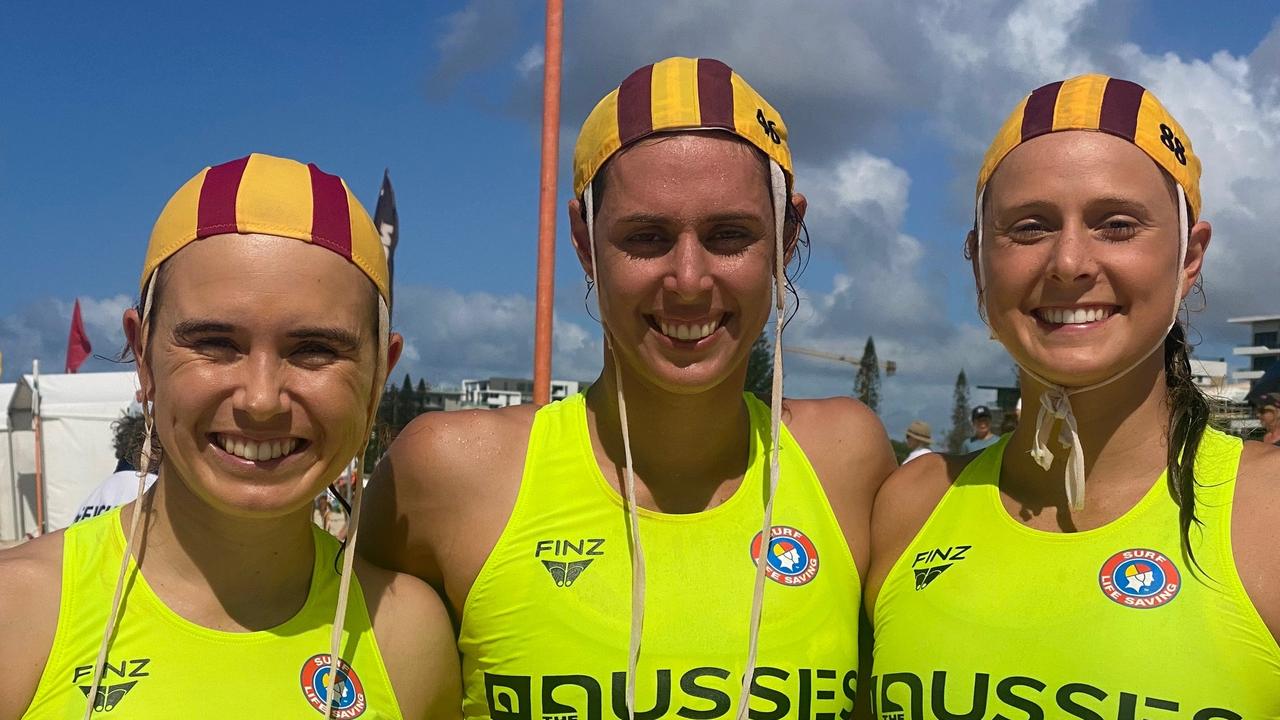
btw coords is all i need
(983, 617)
(162, 666)
(546, 625)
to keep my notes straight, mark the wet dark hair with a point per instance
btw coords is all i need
(793, 223)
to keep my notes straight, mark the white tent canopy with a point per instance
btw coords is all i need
(10, 510)
(76, 412)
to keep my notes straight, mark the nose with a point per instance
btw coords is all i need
(1071, 258)
(261, 394)
(689, 276)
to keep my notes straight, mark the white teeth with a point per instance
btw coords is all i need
(687, 332)
(250, 450)
(1062, 316)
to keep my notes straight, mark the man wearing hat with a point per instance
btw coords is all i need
(919, 438)
(982, 435)
(1268, 406)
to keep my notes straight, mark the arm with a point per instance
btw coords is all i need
(448, 475)
(850, 451)
(30, 590)
(416, 640)
(1255, 511)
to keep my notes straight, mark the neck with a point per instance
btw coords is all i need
(218, 570)
(683, 447)
(1122, 428)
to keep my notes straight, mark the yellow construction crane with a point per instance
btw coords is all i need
(890, 367)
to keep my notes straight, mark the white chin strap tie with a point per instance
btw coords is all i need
(1055, 401)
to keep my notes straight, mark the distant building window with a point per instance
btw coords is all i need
(1266, 339)
(1263, 362)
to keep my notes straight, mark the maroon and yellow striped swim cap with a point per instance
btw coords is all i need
(1101, 104)
(677, 94)
(273, 196)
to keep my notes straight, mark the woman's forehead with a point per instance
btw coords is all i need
(267, 278)
(1079, 164)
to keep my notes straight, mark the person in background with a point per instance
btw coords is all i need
(982, 435)
(1268, 406)
(122, 485)
(919, 440)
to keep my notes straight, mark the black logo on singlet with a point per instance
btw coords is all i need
(111, 690)
(566, 560)
(930, 564)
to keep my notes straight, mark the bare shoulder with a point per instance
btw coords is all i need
(903, 505)
(1256, 511)
(447, 472)
(416, 640)
(847, 446)
(845, 436)
(30, 591)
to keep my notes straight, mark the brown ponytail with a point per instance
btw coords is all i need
(1188, 419)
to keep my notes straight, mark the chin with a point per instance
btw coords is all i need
(264, 502)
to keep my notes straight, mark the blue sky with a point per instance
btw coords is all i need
(110, 107)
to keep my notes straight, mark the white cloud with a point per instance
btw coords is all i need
(39, 330)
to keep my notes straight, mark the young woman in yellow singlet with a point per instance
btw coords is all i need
(262, 342)
(1115, 557)
(599, 555)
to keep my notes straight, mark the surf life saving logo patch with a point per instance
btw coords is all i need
(791, 558)
(1140, 578)
(349, 700)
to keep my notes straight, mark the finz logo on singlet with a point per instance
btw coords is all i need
(791, 558)
(1140, 578)
(571, 557)
(935, 562)
(110, 690)
(348, 701)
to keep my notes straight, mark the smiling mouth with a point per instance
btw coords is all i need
(690, 332)
(1075, 316)
(258, 450)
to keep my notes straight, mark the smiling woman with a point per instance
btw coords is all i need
(663, 545)
(1086, 241)
(262, 344)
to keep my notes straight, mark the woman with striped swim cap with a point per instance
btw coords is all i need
(639, 550)
(262, 342)
(1114, 558)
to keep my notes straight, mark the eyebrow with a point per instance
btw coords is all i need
(338, 336)
(654, 219)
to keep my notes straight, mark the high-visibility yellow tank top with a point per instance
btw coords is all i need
(983, 617)
(162, 666)
(546, 625)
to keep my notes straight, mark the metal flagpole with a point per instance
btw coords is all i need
(547, 203)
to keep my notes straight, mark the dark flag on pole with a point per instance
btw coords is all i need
(78, 347)
(387, 221)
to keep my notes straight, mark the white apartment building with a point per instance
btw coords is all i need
(1263, 348)
(497, 392)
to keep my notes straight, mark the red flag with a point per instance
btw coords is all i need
(78, 347)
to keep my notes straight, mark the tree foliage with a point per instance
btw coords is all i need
(867, 383)
(960, 427)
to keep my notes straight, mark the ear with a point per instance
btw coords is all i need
(132, 323)
(395, 346)
(799, 203)
(1197, 245)
(581, 239)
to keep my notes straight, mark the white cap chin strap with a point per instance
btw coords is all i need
(1055, 401)
(778, 186)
